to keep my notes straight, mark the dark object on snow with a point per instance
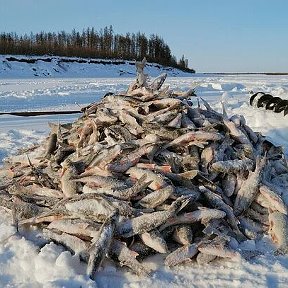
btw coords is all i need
(280, 106)
(276, 104)
(272, 103)
(39, 113)
(255, 97)
(264, 100)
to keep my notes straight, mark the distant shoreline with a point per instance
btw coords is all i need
(245, 73)
(60, 66)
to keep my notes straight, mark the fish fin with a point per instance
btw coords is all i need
(225, 116)
(189, 93)
(183, 201)
(29, 162)
(206, 104)
(198, 103)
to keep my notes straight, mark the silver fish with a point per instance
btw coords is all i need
(119, 133)
(201, 215)
(183, 234)
(235, 132)
(102, 156)
(151, 166)
(180, 255)
(90, 205)
(176, 122)
(72, 243)
(51, 145)
(207, 155)
(194, 194)
(263, 202)
(249, 188)
(279, 230)
(127, 118)
(252, 229)
(154, 240)
(69, 171)
(149, 221)
(279, 165)
(229, 184)
(100, 246)
(273, 198)
(166, 118)
(131, 159)
(252, 135)
(217, 202)
(110, 155)
(218, 247)
(256, 216)
(157, 197)
(238, 120)
(105, 117)
(101, 181)
(25, 210)
(259, 209)
(159, 180)
(220, 154)
(131, 192)
(44, 191)
(164, 103)
(221, 228)
(157, 82)
(195, 136)
(49, 216)
(82, 228)
(84, 133)
(203, 258)
(120, 193)
(127, 257)
(187, 122)
(141, 249)
(141, 77)
(233, 166)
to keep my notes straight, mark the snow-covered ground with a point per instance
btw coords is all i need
(24, 262)
(54, 66)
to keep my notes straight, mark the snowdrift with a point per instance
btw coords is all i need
(54, 66)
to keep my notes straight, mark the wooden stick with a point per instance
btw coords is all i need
(39, 113)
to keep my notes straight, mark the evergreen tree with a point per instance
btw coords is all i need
(91, 43)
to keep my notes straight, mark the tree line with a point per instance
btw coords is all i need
(91, 43)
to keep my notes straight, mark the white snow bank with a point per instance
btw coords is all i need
(54, 66)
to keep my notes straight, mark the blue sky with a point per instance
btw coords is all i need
(214, 35)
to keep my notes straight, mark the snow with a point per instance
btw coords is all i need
(25, 260)
(53, 66)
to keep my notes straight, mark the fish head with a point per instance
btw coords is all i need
(180, 203)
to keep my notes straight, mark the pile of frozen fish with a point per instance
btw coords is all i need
(145, 172)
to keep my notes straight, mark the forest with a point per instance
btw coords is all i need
(91, 43)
